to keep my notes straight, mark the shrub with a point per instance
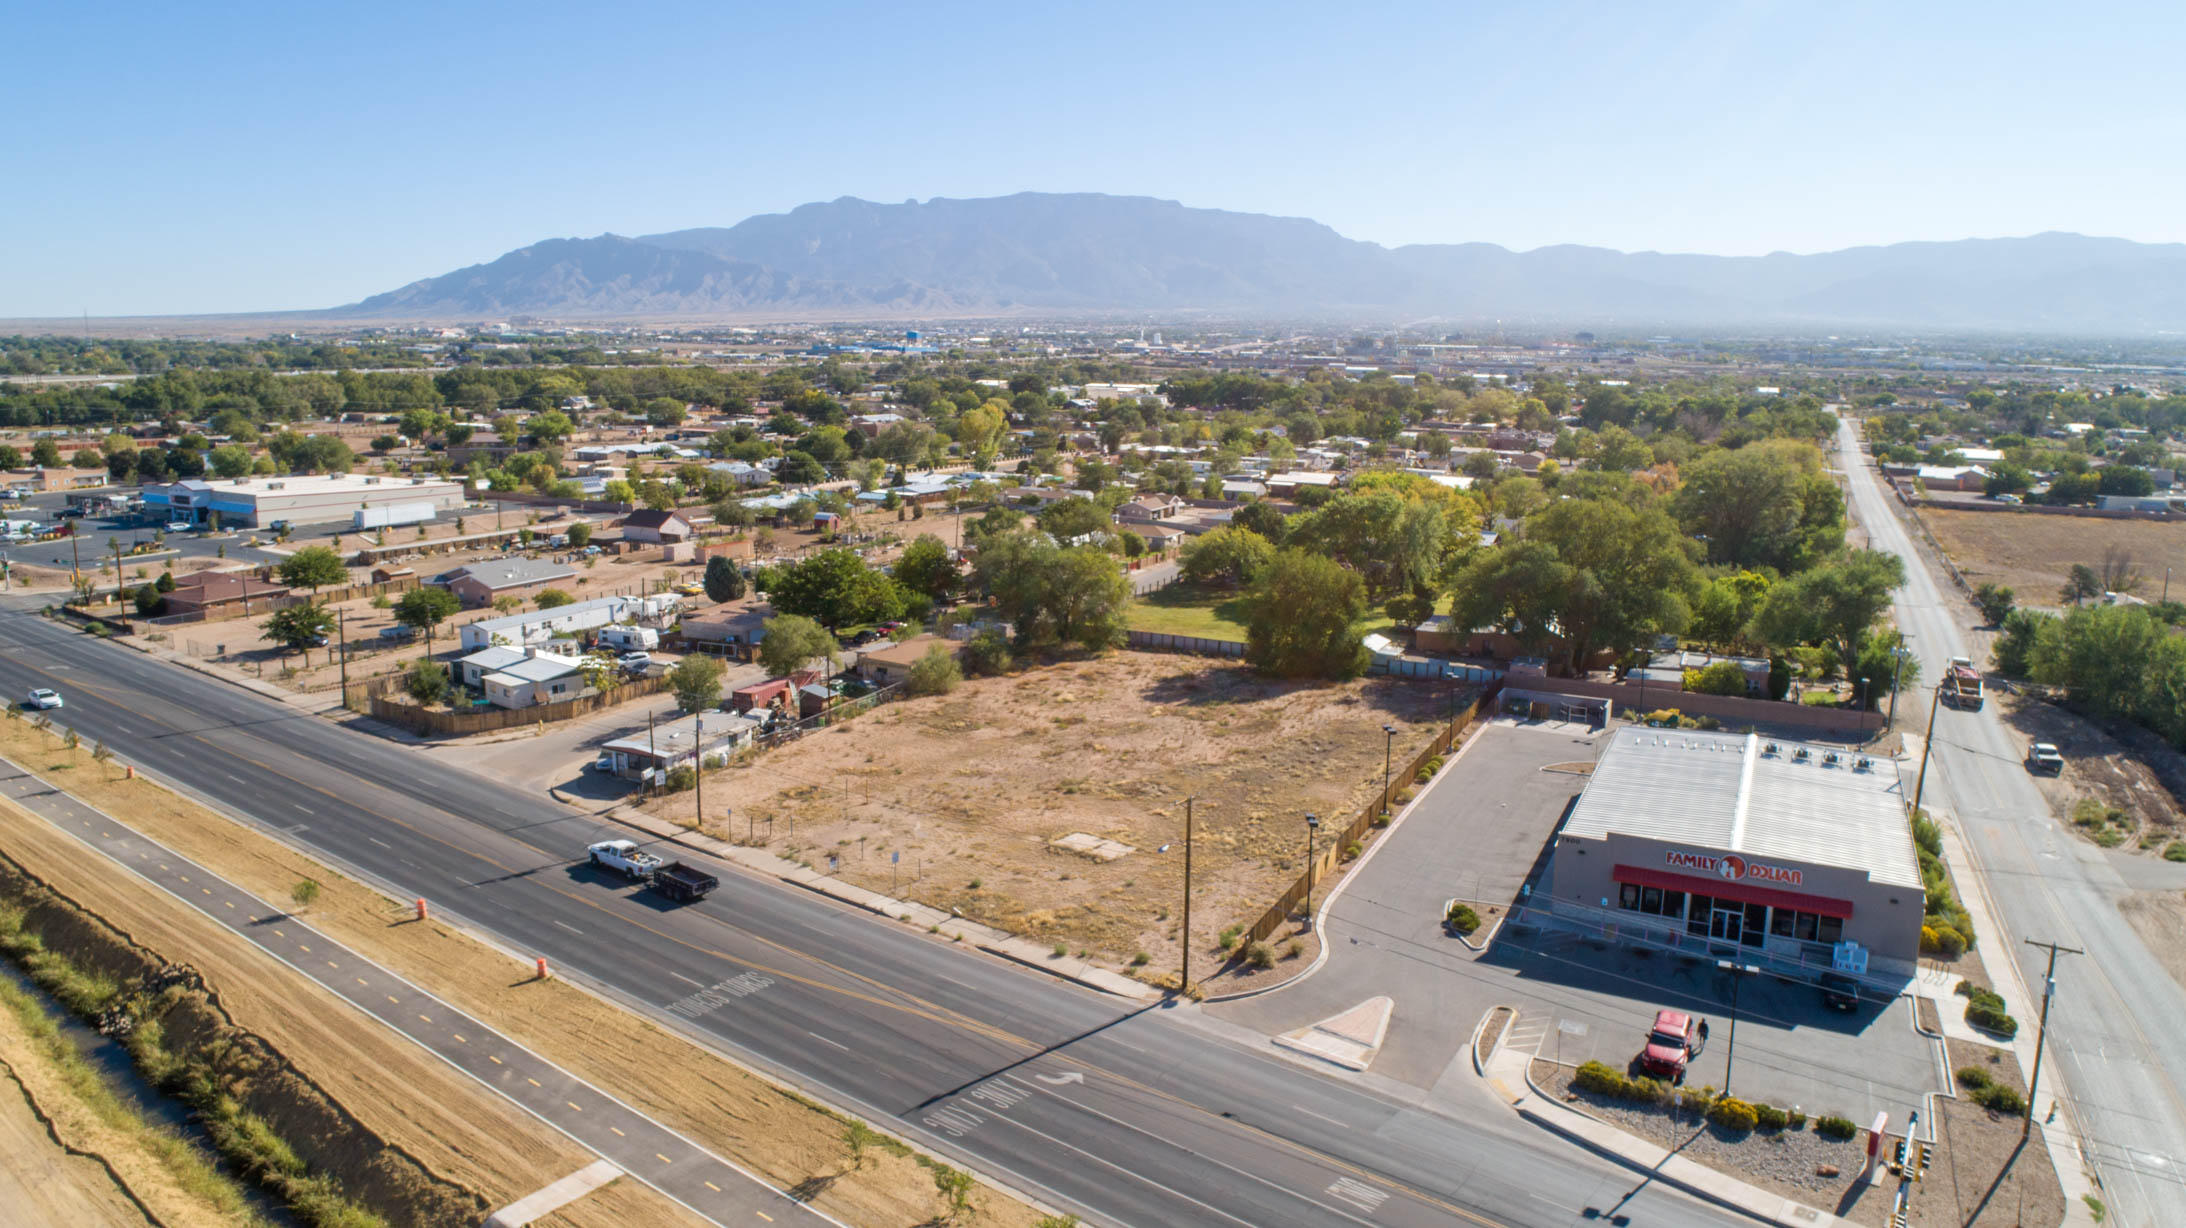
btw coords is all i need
(1260, 955)
(1943, 940)
(1428, 769)
(1835, 1128)
(681, 778)
(1462, 918)
(1992, 1019)
(1696, 1100)
(1998, 1098)
(1769, 1117)
(1731, 1113)
(1795, 1119)
(2175, 851)
(1598, 1078)
(1973, 1078)
(1352, 850)
(1228, 937)
(1059, 950)
(1927, 835)
(936, 673)
(1139, 960)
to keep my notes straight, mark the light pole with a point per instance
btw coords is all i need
(1896, 672)
(1388, 741)
(1739, 972)
(2041, 1029)
(1184, 974)
(1313, 825)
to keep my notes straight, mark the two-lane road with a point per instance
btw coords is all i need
(1127, 1114)
(2114, 1024)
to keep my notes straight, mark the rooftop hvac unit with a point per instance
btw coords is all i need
(1801, 755)
(1864, 764)
(1769, 749)
(1830, 759)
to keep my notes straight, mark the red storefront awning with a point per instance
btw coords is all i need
(1744, 893)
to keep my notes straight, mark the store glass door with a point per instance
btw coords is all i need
(1725, 924)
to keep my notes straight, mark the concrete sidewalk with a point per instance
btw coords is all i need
(1507, 1075)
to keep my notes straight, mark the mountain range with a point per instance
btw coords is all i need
(1088, 254)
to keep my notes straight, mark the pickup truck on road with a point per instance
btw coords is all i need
(673, 879)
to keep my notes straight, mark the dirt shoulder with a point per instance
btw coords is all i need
(783, 1137)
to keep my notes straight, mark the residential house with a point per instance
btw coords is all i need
(471, 670)
(773, 693)
(482, 584)
(678, 743)
(647, 525)
(1160, 538)
(539, 626)
(540, 678)
(892, 663)
(218, 592)
(1284, 485)
(1149, 508)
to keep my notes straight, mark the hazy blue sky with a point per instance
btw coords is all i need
(180, 158)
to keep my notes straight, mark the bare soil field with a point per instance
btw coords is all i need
(2131, 770)
(2032, 554)
(972, 788)
(462, 1128)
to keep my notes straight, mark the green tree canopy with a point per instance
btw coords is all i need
(792, 641)
(1392, 542)
(1835, 605)
(836, 588)
(1300, 618)
(925, 567)
(1228, 555)
(295, 627)
(1075, 595)
(935, 673)
(724, 580)
(426, 608)
(313, 567)
(696, 682)
(1764, 505)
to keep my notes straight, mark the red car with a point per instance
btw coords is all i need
(1676, 1039)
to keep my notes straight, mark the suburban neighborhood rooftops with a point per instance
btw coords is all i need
(647, 518)
(540, 668)
(1783, 800)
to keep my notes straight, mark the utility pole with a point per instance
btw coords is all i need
(698, 786)
(1896, 672)
(1184, 974)
(651, 750)
(2041, 1030)
(341, 633)
(1313, 825)
(1927, 746)
(1388, 740)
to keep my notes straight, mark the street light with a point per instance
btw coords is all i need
(1184, 974)
(1313, 824)
(1388, 741)
(1900, 652)
(1739, 972)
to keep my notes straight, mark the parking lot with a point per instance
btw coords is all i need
(1480, 832)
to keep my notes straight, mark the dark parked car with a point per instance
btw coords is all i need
(1840, 993)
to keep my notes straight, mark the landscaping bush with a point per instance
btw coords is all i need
(1927, 835)
(1942, 940)
(1696, 1100)
(1769, 1117)
(1602, 1080)
(1835, 1128)
(1260, 955)
(1795, 1119)
(1998, 1098)
(1973, 1078)
(1462, 918)
(1228, 937)
(1731, 1113)
(1428, 769)
(2175, 851)
(681, 778)
(1985, 1009)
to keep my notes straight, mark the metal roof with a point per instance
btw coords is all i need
(1786, 801)
(513, 573)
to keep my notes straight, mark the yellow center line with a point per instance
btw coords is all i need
(426, 1018)
(663, 1159)
(763, 1215)
(573, 1104)
(491, 1058)
(459, 1038)
(301, 947)
(618, 1133)
(229, 903)
(711, 1186)
(360, 980)
(530, 1080)
(394, 999)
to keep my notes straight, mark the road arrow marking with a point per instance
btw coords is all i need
(1061, 1080)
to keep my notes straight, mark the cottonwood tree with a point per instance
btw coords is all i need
(792, 641)
(313, 567)
(1300, 618)
(696, 682)
(1835, 605)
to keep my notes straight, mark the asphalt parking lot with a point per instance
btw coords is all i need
(1480, 832)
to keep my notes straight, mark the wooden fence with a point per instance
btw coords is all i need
(1331, 854)
(373, 699)
(263, 606)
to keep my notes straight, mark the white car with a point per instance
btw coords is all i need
(179, 526)
(43, 698)
(635, 660)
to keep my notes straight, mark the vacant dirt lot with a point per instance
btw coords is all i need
(971, 789)
(2130, 776)
(2032, 553)
(454, 1126)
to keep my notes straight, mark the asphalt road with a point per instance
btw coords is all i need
(1123, 1113)
(2114, 1024)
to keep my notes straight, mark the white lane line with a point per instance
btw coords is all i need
(382, 843)
(306, 809)
(825, 1041)
(1323, 1116)
(571, 928)
(686, 980)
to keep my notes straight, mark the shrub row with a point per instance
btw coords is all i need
(1835, 1128)
(1985, 1009)
(1728, 1112)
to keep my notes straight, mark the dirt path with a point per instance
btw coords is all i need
(457, 1128)
(40, 1182)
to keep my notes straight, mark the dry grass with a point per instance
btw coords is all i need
(2032, 553)
(972, 787)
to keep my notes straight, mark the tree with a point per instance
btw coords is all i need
(800, 469)
(1995, 602)
(45, 454)
(1300, 616)
(925, 567)
(1630, 577)
(2071, 488)
(1746, 503)
(295, 627)
(1835, 605)
(550, 427)
(724, 579)
(305, 893)
(313, 567)
(1726, 605)
(2101, 655)
(987, 653)
(2007, 478)
(427, 680)
(791, 641)
(2126, 480)
(426, 608)
(552, 598)
(1070, 519)
(935, 673)
(148, 599)
(580, 535)
(1075, 595)
(837, 588)
(696, 682)
(1229, 555)
(1717, 678)
(11, 457)
(1263, 518)
(1394, 543)
(2080, 584)
(232, 461)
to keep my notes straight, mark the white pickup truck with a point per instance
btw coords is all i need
(624, 857)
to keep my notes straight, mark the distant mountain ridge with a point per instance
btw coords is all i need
(1092, 254)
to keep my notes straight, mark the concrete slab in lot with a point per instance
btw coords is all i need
(1481, 831)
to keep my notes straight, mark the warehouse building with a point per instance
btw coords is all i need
(1793, 857)
(302, 498)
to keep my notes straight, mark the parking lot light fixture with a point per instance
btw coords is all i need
(1388, 741)
(1739, 972)
(1313, 824)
